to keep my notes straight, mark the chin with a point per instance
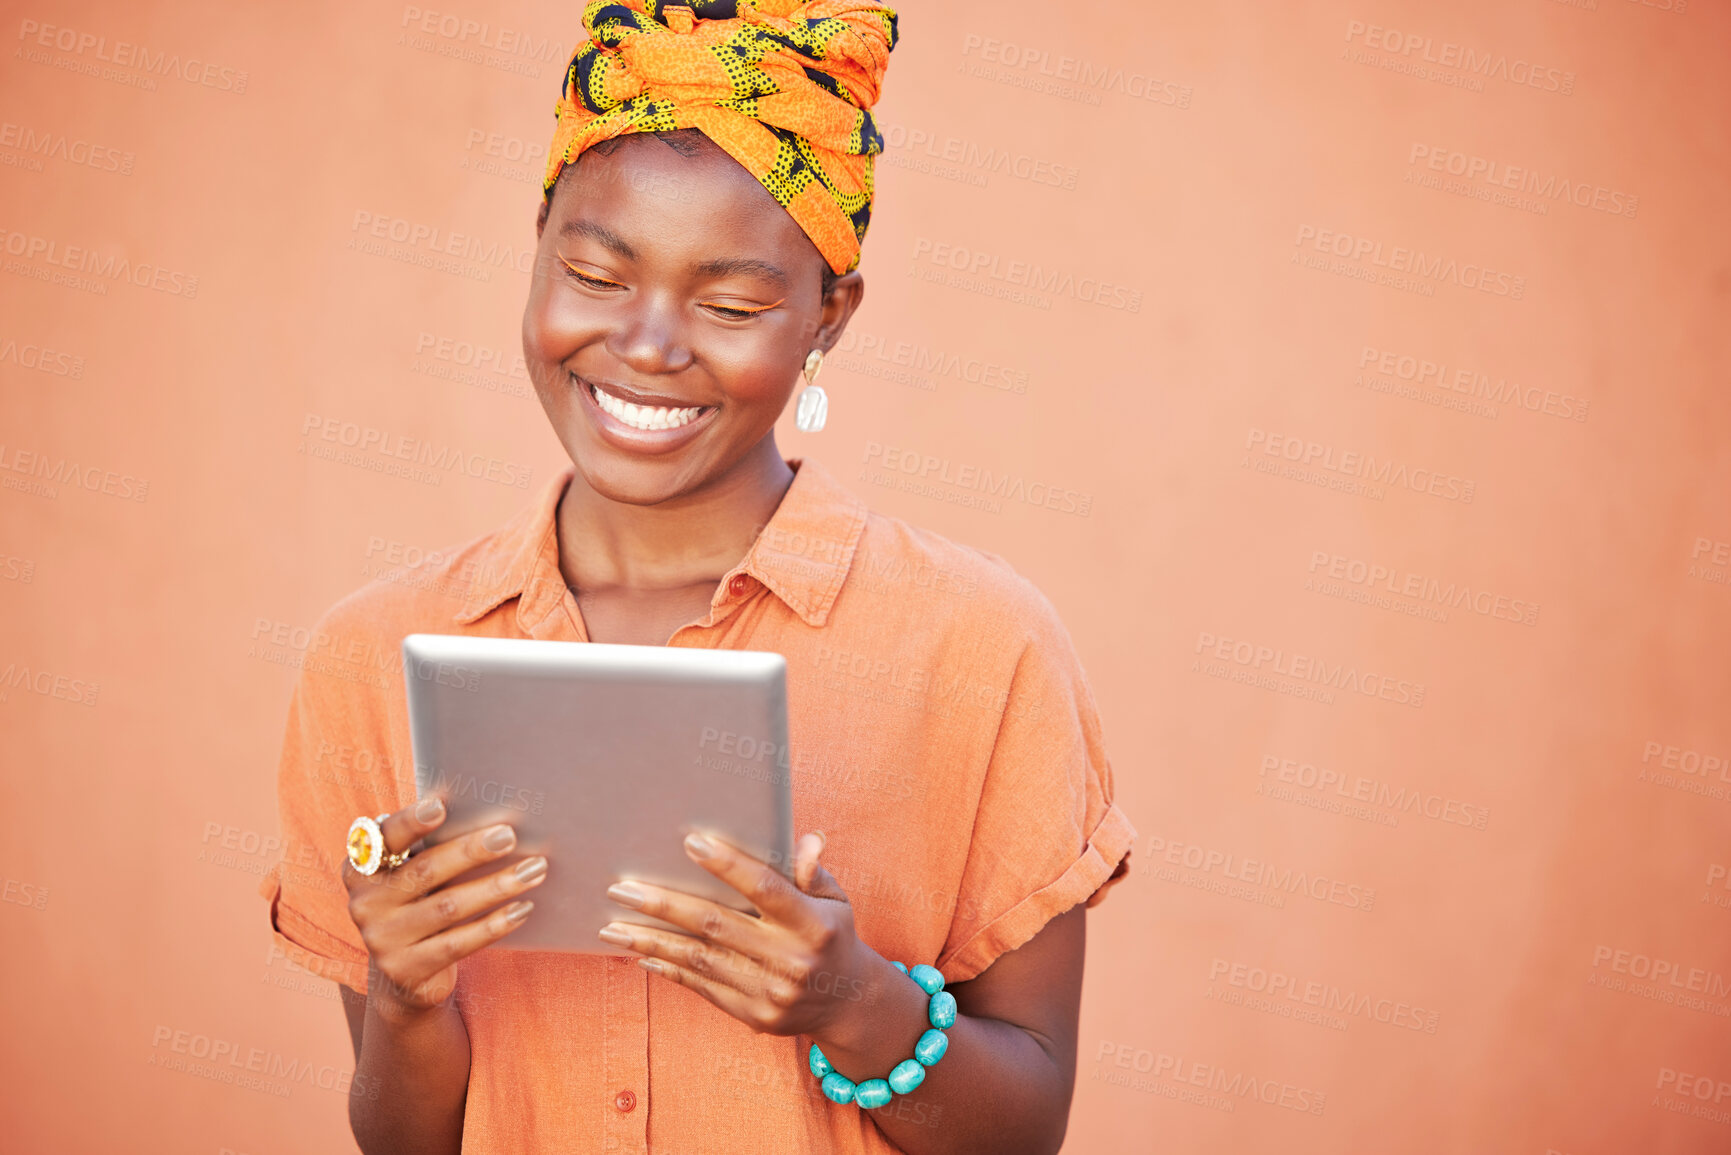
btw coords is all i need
(619, 474)
(631, 482)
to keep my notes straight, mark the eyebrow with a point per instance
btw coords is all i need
(747, 266)
(606, 237)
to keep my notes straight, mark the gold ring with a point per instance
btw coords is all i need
(367, 846)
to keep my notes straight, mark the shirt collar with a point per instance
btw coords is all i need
(803, 554)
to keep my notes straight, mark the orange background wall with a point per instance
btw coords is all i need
(1468, 893)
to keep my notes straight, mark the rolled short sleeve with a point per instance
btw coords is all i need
(1048, 834)
(336, 764)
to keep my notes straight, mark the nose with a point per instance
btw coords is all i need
(650, 336)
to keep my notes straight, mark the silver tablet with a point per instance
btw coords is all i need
(602, 758)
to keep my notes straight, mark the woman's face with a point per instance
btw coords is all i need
(673, 306)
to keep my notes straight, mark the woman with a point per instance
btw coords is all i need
(709, 186)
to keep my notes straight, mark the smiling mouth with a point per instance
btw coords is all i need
(645, 417)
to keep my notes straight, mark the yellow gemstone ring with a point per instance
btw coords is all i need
(367, 846)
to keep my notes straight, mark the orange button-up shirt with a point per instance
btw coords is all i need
(941, 733)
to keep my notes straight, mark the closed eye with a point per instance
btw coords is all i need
(589, 279)
(734, 313)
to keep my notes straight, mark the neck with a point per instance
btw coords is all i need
(689, 540)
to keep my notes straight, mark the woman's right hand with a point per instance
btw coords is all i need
(408, 917)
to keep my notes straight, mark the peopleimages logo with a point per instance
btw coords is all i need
(124, 55)
(255, 1068)
(469, 33)
(47, 684)
(1496, 176)
(471, 355)
(1694, 1086)
(1328, 569)
(502, 155)
(1326, 996)
(1403, 260)
(40, 358)
(1181, 1074)
(1700, 1096)
(108, 265)
(923, 471)
(1687, 761)
(1470, 383)
(1253, 658)
(1363, 792)
(382, 451)
(992, 267)
(921, 149)
(1686, 770)
(1068, 77)
(44, 472)
(1478, 65)
(1665, 972)
(920, 358)
(1256, 872)
(1716, 568)
(59, 146)
(1352, 464)
(428, 245)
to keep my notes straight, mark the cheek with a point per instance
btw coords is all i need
(550, 330)
(759, 373)
(758, 367)
(558, 322)
(551, 334)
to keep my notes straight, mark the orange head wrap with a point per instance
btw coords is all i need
(784, 87)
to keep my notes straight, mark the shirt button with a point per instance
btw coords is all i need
(739, 585)
(625, 1101)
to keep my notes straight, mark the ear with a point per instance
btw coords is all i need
(838, 308)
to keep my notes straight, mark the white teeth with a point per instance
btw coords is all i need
(643, 416)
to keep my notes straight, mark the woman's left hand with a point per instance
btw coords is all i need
(791, 971)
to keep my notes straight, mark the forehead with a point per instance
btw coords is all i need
(668, 205)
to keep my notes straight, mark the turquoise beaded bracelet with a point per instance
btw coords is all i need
(909, 1073)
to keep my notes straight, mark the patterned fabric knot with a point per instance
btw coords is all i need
(679, 18)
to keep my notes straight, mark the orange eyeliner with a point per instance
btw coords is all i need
(751, 312)
(588, 276)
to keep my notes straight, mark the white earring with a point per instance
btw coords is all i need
(813, 407)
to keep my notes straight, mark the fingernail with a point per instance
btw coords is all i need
(531, 870)
(652, 964)
(500, 839)
(611, 933)
(699, 846)
(519, 911)
(429, 810)
(626, 894)
(822, 839)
